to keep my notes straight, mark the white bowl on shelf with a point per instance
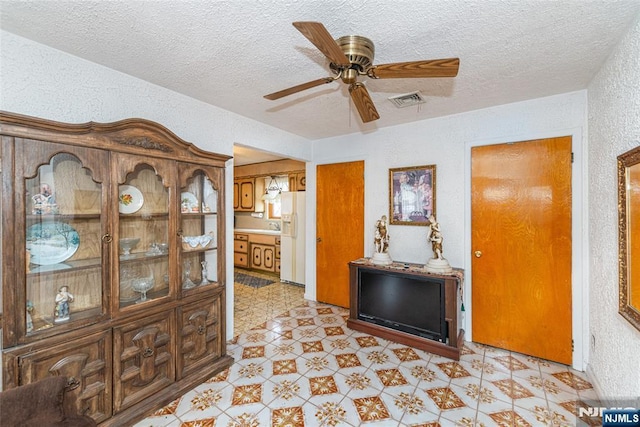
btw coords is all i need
(197, 242)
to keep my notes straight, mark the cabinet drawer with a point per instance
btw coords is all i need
(240, 260)
(241, 236)
(263, 239)
(143, 359)
(240, 246)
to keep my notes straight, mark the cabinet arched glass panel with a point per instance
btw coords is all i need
(143, 205)
(63, 244)
(199, 232)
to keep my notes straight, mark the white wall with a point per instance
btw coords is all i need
(446, 142)
(614, 128)
(39, 81)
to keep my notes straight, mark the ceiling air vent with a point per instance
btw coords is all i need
(407, 100)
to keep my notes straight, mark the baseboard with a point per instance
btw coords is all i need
(594, 381)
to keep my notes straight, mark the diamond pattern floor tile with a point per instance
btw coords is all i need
(298, 365)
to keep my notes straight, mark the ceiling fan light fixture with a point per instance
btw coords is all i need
(407, 99)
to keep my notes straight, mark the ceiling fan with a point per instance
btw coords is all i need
(352, 56)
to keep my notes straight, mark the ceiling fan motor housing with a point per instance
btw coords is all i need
(360, 52)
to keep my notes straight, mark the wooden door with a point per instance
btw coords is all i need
(246, 195)
(199, 337)
(143, 362)
(236, 195)
(521, 243)
(85, 361)
(263, 257)
(339, 228)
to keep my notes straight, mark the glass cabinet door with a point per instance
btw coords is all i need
(199, 229)
(64, 237)
(143, 233)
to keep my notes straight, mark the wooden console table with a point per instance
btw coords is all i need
(453, 303)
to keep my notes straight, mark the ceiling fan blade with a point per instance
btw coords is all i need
(416, 69)
(363, 102)
(299, 88)
(320, 37)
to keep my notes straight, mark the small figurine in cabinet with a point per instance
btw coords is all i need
(29, 319)
(44, 202)
(205, 281)
(63, 298)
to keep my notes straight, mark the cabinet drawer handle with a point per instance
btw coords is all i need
(107, 238)
(72, 383)
(201, 329)
(148, 352)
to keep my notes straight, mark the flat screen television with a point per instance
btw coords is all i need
(403, 302)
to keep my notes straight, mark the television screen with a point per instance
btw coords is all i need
(403, 302)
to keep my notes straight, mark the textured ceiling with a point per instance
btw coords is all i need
(231, 53)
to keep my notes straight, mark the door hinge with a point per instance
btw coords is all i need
(572, 157)
(572, 346)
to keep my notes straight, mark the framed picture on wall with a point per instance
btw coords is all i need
(412, 195)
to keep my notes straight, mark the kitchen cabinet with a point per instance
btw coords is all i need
(244, 194)
(277, 264)
(111, 273)
(297, 181)
(241, 250)
(263, 257)
(257, 251)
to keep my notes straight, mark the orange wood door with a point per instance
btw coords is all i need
(521, 243)
(339, 228)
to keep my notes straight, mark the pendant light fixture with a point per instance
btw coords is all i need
(273, 190)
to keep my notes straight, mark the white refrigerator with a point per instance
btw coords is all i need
(292, 237)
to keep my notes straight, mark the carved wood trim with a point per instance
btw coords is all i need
(144, 142)
(130, 134)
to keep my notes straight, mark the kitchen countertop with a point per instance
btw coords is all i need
(257, 231)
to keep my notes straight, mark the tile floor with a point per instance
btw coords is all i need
(255, 306)
(304, 367)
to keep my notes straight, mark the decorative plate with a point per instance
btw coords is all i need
(51, 242)
(130, 199)
(189, 199)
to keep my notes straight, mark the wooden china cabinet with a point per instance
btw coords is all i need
(113, 262)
